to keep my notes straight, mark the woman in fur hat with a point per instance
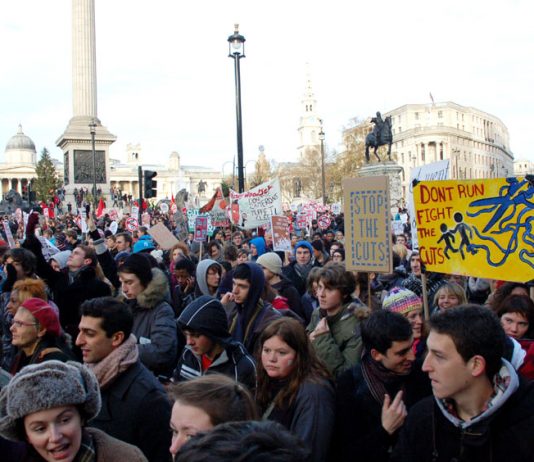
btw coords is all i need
(64, 396)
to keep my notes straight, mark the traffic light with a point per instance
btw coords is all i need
(151, 186)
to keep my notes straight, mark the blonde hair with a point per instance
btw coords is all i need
(400, 250)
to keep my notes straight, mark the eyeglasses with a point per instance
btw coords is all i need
(22, 323)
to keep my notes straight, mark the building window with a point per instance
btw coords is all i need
(440, 151)
(422, 152)
(402, 157)
(416, 116)
(440, 114)
(400, 129)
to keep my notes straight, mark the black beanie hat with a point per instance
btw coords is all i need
(206, 316)
(138, 264)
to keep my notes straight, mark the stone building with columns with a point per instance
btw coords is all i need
(477, 143)
(17, 168)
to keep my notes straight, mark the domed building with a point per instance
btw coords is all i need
(18, 167)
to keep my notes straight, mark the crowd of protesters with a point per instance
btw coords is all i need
(113, 349)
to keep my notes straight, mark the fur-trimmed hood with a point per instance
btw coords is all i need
(156, 291)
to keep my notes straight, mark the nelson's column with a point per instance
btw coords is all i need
(76, 141)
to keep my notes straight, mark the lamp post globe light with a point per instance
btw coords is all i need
(323, 187)
(92, 128)
(236, 50)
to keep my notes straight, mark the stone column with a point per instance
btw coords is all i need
(83, 59)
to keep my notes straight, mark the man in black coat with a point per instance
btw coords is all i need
(135, 408)
(372, 397)
(481, 409)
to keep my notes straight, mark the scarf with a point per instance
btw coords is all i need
(379, 379)
(114, 364)
(304, 270)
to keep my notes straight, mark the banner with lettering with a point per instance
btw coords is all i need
(367, 224)
(429, 172)
(255, 207)
(482, 228)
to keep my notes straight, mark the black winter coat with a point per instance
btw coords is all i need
(359, 434)
(136, 410)
(507, 436)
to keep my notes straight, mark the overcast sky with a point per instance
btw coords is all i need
(165, 80)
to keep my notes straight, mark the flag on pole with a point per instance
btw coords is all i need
(100, 209)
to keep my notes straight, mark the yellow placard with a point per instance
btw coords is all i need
(482, 228)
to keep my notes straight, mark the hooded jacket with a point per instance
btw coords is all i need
(248, 319)
(154, 325)
(259, 243)
(202, 273)
(206, 316)
(502, 433)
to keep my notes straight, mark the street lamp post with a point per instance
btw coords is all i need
(236, 50)
(323, 187)
(92, 128)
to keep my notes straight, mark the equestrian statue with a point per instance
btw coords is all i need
(380, 136)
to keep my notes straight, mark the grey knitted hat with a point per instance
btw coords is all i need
(44, 386)
(271, 261)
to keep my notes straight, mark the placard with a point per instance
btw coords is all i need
(481, 228)
(367, 224)
(163, 236)
(280, 233)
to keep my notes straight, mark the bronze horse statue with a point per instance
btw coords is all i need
(380, 136)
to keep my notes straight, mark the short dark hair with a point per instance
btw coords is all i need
(116, 315)
(185, 264)
(127, 237)
(475, 330)
(23, 256)
(230, 253)
(252, 441)
(335, 276)
(384, 327)
(522, 305)
(242, 271)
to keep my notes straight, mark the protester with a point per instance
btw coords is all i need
(204, 402)
(294, 387)
(185, 283)
(249, 441)
(481, 410)
(210, 348)
(516, 313)
(448, 296)
(298, 270)
(272, 269)
(333, 329)
(146, 291)
(373, 396)
(257, 248)
(248, 314)
(48, 406)
(409, 305)
(209, 274)
(414, 282)
(135, 408)
(37, 335)
(309, 300)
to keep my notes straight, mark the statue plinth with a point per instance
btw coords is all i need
(393, 171)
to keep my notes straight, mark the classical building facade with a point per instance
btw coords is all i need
(17, 169)
(523, 167)
(477, 143)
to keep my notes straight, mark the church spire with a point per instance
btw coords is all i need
(310, 123)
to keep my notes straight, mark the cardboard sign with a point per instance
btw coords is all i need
(324, 222)
(192, 214)
(367, 224)
(280, 233)
(255, 207)
(161, 234)
(480, 228)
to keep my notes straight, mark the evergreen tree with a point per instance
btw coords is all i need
(47, 182)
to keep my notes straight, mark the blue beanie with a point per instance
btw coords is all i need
(145, 242)
(303, 244)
